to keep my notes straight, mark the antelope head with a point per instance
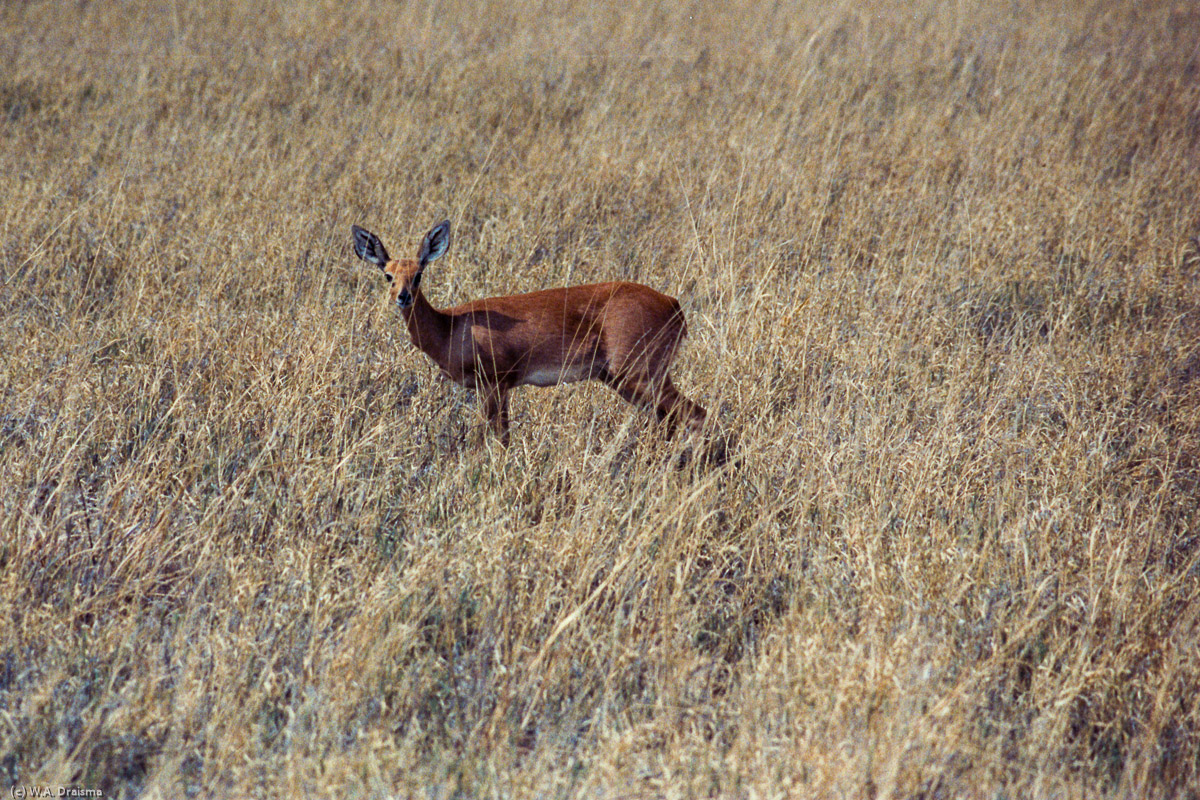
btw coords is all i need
(403, 274)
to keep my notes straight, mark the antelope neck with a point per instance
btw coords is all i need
(428, 327)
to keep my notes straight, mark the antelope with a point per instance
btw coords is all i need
(622, 334)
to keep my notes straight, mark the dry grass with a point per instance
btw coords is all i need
(936, 266)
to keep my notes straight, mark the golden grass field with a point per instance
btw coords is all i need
(943, 301)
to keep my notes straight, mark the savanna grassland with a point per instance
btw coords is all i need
(941, 288)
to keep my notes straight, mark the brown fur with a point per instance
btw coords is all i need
(623, 334)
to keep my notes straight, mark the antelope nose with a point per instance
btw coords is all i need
(404, 298)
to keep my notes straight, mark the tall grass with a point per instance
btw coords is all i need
(936, 265)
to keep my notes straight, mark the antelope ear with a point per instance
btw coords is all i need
(436, 243)
(368, 247)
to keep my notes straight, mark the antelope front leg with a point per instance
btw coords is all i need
(495, 405)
